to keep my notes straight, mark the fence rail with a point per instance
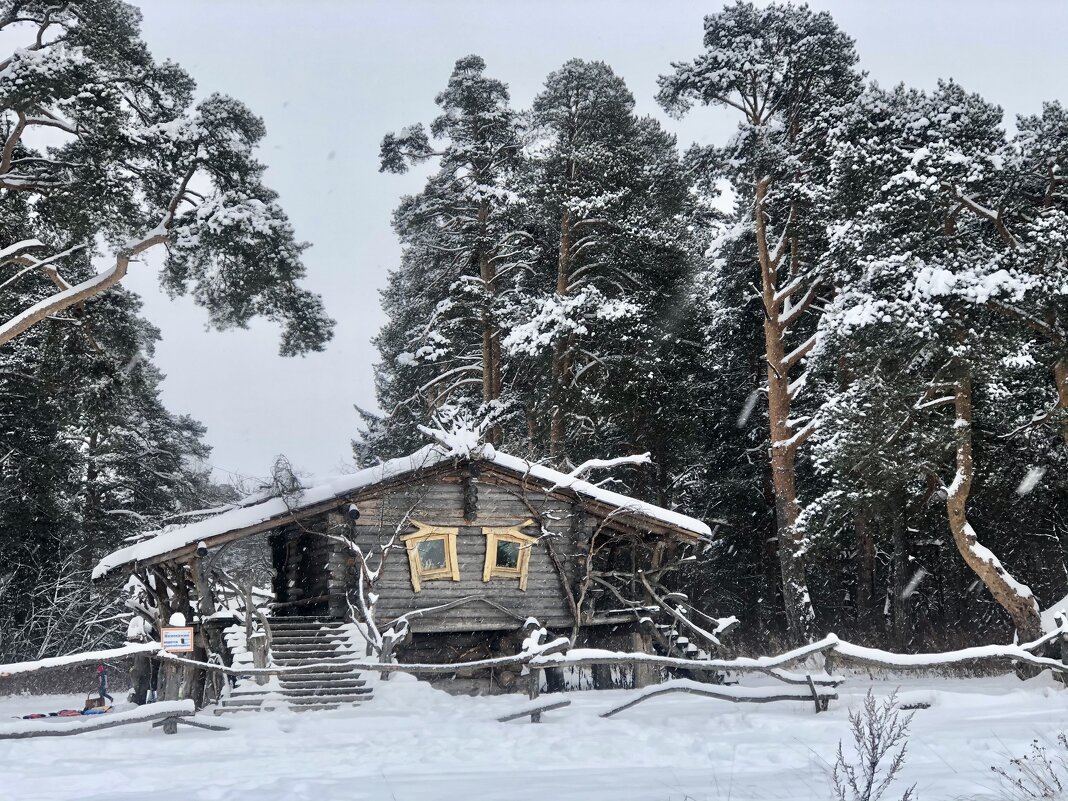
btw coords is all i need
(538, 656)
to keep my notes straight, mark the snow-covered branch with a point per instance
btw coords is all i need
(603, 464)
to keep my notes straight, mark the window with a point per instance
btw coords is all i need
(507, 553)
(432, 554)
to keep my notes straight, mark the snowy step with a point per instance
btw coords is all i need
(322, 680)
(299, 704)
(245, 703)
(310, 657)
(307, 631)
(312, 645)
(314, 657)
(336, 698)
(305, 639)
(309, 652)
(252, 691)
(223, 710)
(321, 692)
(304, 623)
(319, 668)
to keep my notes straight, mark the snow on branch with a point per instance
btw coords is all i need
(77, 293)
(603, 464)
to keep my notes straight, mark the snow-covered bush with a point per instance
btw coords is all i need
(880, 742)
(1038, 773)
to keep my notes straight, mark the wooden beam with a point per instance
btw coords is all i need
(823, 696)
(537, 709)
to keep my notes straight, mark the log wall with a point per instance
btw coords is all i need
(319, 567)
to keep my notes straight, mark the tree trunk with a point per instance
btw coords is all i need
(865, 570)
(1060, 378)
(141, 674)
(1014, 597)
(896, 512)
(491, 340)
(561, 368)
(785, 439)
(211, 635)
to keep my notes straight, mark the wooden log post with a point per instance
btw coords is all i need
(388, 644)
(141, 669)
(141, 673)
(184, 606)
(167, 683)
(257, 644)
(645, 674)
(209, 685)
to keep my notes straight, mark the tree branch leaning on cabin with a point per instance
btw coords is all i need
(597, 545)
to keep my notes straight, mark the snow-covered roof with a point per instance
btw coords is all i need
(449, 447)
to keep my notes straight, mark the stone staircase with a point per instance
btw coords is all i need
(299, 641)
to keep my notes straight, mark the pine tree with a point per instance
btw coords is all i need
(464, 247)
(89, 456)
(618, 230)
(925, 274)
(140, 166)
(92, 459)
(787, 71)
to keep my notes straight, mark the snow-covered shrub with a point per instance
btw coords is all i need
(1037, 774)
(880, 742)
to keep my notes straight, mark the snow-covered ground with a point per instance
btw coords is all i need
(414, 743)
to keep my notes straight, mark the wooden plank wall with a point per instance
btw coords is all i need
(440, 501)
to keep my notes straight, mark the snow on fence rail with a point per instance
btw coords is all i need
(522, 658)
(831, 647)
(556, 654)
(540, 656)
(84, 658)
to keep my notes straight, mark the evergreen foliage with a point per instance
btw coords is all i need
(106, 154)
(855, 370)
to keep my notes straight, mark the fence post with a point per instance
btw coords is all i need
(531, 629)
(829, 661)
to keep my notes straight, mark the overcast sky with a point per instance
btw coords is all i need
(330, 77)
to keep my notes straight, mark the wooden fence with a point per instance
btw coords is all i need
(537, 657)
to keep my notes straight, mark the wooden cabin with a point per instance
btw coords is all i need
(455, 546)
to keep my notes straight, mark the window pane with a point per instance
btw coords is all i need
(432, 554)
(507, 554)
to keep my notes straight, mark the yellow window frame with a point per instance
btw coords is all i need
(451, 569)
(491, 569)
